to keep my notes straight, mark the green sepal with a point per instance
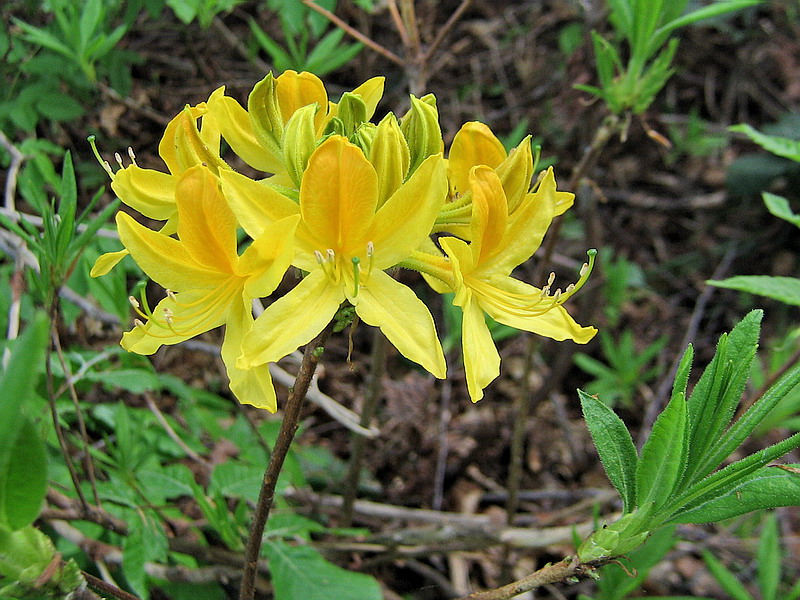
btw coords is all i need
(265, 115)
(352, 110)
(390, 157)
(622, 536)
(299, 141)
(420, 126)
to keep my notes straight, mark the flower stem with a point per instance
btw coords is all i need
(289, 426)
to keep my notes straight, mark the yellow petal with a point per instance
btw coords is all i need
(489, 213)
(250, 386)
(526, 228)
(515, 173)
(481, 359)
(405, 220)
(193, 312)
(182, 146)
(292, 320)
(296, 90)
(474, 144)
(463, 262)
(555, 323)
(265, 261)
(371, 91)
(338, 197)
(206, 226)
(404, 320)
(235, 126)
(106, 262)
(149, 192)
(164, 259)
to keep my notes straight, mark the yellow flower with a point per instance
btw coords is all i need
(256, 134)
(152, 193)
(479, 274)
(345, 241)
(476, 145)
(208, 284)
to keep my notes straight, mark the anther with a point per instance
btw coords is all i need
(319, 257)
(331, 254)
(134, 302)
(131, 155)
(370, 249)
(118, 158)
(138, 323)
(171, 295)
(551, 279)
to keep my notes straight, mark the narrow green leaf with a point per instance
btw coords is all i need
(301, 573)
(614, 445)
(747, 423)
(768, 558)
(726, 579)
(779, 206)
(784, 289)
(713, 10)
(23, 482)
(725, 481)
(682, 374)
(781, 146)
(91, 13)
(718, 392)
(663, 457)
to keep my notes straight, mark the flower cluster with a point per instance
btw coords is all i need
(346, 201)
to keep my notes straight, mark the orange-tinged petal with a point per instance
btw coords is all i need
(150, 192)
(292, 320)
(338, 196)
(296, 90)
(481, 359)
(516, 172)
(489, 213)
(206, 226)
(460, 255)
(236, 128)
(473, 145)
(165, 260)
(250, 386)
(526, 229)
(403, 318)
(404, 221)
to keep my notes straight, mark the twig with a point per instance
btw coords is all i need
(445, 29)
(17, 158)
(286, 434)
(567, 569)
(151, 404)
(373, 393)
(106, 588)
(355, 33)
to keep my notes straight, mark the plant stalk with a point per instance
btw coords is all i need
(289, 426)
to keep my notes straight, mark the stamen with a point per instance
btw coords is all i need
(137, 323)
(118, 158)
(319, 257)
(356, 274)
(103, 163)
(134, 302)
(171, 295)
(331, 254)
(551, 279)
(132, 155)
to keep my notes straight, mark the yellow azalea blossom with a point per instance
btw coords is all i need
(479, 274)
(473, 145)
(345, 241)
(152, 192)
(208, 284)
(253, 135)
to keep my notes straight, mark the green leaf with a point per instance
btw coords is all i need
(768, 487)
(237, 480)
(300, 573)
(614, 445)
(784, 289)
(23, 484)
(716, 395)
(713, 10)
(135, 381)
(17, 386)
(779, 206)
(726, 579)
(780, 146)
(768, 558)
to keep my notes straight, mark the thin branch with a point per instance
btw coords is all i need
(106, 588)
(151, 404)
(17, 158)
(445, 29)
(286, 434)
(355, 33)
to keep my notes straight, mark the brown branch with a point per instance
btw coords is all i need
(286, 434)
(355, 33)
(445, 29)
(567, 569)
